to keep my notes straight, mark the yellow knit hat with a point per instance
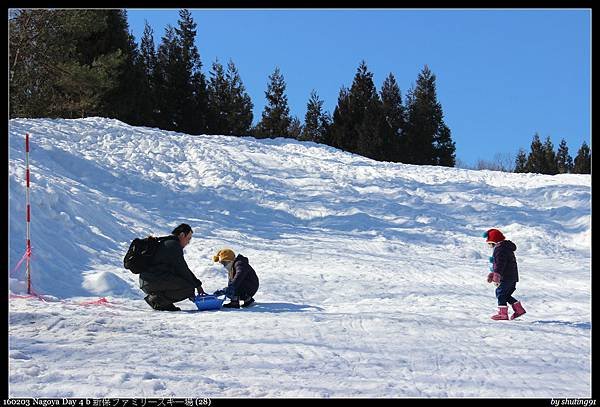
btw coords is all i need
(224, 255)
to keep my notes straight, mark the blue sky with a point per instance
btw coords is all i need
(502, 75)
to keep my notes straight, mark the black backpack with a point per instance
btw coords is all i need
(140, 253)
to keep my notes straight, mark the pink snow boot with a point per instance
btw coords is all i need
(519, 310)
(502, 313)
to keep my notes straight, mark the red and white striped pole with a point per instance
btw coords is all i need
(28, 250)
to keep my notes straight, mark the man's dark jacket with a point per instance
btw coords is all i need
(505, 262)
(168, 269)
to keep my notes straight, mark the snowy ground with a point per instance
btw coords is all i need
(372, 274)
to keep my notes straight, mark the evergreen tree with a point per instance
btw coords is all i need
(342, 128)
(275, 121)
(316, 122)
(444, 148)
(583, 160)
(169, 79)
(549, 158)
(239, 115)
(194, 98)
(128, 101)
(372, 134)
(295, 128)
(564, 162)
(521, 161)
(229, 106)
(64, 63)
(147, 62)
(148, 51)
(536, 158)
(358, 122)
(428, 138)
(218, 101)
(180, 86)
(395, 120)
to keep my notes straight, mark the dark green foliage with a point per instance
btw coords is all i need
(128, 100)
(583, 160)
(342, 124)
(275, 121)
(147, 64)
(84, 62)
(295, 128)
(521, 161)
(193, 100)
(358, 121)
(66, 63)
(218, 100)
(549, 158)
(229, 106)
(316, 122)
(564, 162)
(543, 160)
(180, 86)
(537, 157)
(394, 119)
(384, 129)
(239, 115)
(428, 139)
(443, 147)
(169, 80)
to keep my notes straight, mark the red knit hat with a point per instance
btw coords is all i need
(493, 236)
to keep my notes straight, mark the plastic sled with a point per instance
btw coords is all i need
(208, 302)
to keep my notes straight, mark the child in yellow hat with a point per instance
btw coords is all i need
(242, 279)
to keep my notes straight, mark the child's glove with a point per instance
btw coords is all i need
(494, 277)
(219, 292)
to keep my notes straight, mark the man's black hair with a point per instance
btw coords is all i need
(184, 227)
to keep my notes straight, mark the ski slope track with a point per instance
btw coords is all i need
(372, 274)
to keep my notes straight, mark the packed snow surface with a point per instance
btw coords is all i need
(372, 274)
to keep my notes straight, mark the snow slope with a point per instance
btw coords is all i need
(372, 274)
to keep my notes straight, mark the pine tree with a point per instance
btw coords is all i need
(295, 128)
(443, 147)
(371, 130)
(549, 158)
(169, 79)
(128, 101)
(148, 63)
(536, 158)
(583, 160)
(194, 98)
(218, 101)
(316, 122)
(395, 120)
(64, 63)
(521, 161)
(275, 121)
(341, 132)
(428, 139)
(564, 162)
(358, 122)
(239, 115)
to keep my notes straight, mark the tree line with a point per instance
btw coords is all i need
(542, 158)
(78, 63)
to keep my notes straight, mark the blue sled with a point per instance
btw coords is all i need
(208, 302)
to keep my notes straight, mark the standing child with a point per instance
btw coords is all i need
(243, 281)
(504, 274)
